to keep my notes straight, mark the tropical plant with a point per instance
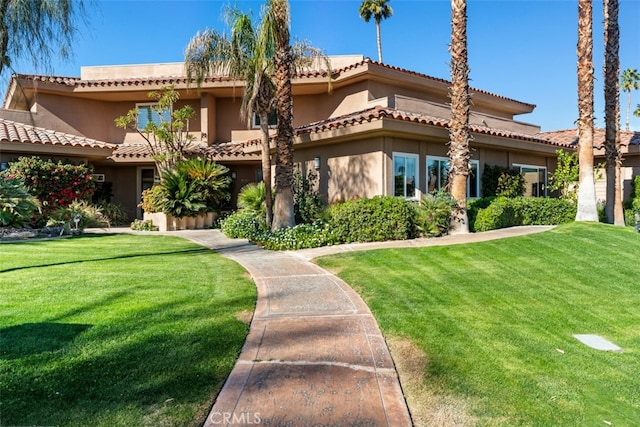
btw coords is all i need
(211, 180)
(252, 197)
(613, 208)
(170, 141)
(17, 206)
(587, 209)
(152, 199)
(378, 10)
(86, 214)
(459, 134)
(248, 56)
(630, 80)
(434, 213)
(636, 112)
(30, 28)
(181, 195)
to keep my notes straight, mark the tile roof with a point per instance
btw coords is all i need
(569, 137)
(224, 150)
(379, 113)
(14, 132)
(175, 80)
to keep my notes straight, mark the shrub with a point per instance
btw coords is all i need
(152, 199)
(140, 225)
(210, 179)
(308, 206)
(565, 178)
(508, 212)
(434, 213)
(299, 237)
(251, 197)
(377, 219)
(17, 206)
(243, 225)
(88, 216)
(114, 212)
(474, 206)
(55, 185)
(501, 181)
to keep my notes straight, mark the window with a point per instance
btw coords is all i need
(405, 174)
(272, 120)
(147, 113)
(535, 180)
(438, 175)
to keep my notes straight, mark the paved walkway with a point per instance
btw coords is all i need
(314, 355)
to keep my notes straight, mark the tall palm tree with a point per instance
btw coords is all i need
(379, 10)
(246, 56)
(615, 213)
(459, 135)
(279, 16)
(29, 28)
(637, 111)
(587, 210)
(630, 80)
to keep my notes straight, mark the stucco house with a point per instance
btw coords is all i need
(381, 130)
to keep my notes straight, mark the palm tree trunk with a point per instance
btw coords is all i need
(459, 126)
(628, 108)
(283, 216)
(266, 167)
(587, 210)
(615, 213)
(379, 40)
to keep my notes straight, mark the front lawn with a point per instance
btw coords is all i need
(486, 329)
(117, 330)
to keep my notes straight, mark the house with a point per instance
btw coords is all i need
(382, 130)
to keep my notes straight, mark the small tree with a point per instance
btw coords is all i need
(169, 141)
(566, 176)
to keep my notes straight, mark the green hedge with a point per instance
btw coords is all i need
(244, 224)
(505, 212)
(372, 220)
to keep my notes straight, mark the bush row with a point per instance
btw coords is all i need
(501, 212)
(390, 218)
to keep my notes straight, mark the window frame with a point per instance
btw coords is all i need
(416, 158)
(256, 118)
(448, 160)
(538, 168)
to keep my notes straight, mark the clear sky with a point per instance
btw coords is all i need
(521, 49)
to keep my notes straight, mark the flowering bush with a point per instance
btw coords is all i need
(55, 185)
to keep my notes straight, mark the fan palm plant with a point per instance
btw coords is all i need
(587, 210)
(614, 211)
(248, 56)
(17, 206)
(459, 134)
(630, 80)
(378, 10)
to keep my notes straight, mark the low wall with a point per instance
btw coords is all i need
(166, 222)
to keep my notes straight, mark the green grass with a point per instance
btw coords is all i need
(495, 321)
(117, 330)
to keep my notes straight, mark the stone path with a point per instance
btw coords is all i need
(314, 355)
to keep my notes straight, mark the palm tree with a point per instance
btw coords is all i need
(29, 28)
(247, 56)
(459, 126)
(587, 210)
(637, 111)
(379, 10)
(615, 213)
(629, 81)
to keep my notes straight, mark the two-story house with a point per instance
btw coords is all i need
(381, 130)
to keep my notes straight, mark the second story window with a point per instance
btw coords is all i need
(273, 120)
(148, 113)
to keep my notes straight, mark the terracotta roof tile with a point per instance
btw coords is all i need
(13, 132)
(215, 151)
(569, 137)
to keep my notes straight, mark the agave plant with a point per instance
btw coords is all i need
(17, 206)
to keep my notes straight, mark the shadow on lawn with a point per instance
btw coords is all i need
(34, 338)
(80, 261)
(149, 365)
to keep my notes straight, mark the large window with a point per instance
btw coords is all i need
(535, 180)
(438, 175)
(405, 174)
(147, 114)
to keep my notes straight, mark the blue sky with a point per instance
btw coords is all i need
(521, 49)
